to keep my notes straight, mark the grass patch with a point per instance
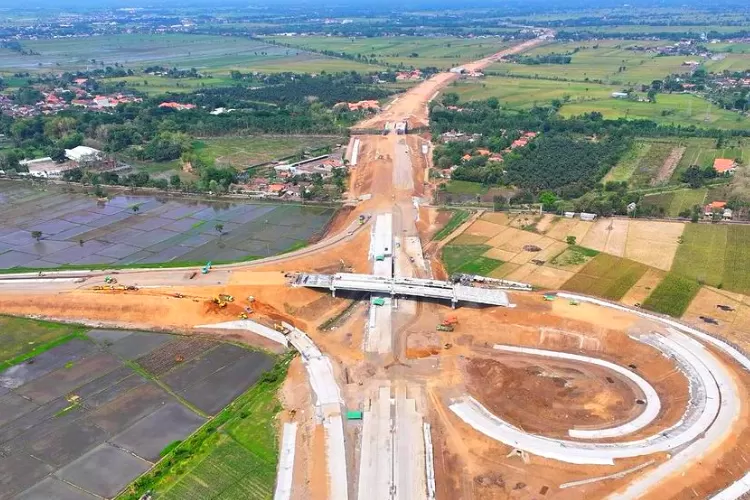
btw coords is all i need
(441, 52)
(574, 255)
(456, 256)
(234, 455)
(606, 276)
(168, 449)
(669, 109)
(458, 218)
(481, 266)
(623, 171)
(244, 151)
(21, 338)
(701, 255)
(465, 187)
(673, 295)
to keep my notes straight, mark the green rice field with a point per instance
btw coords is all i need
(214, 55)
(673, 295)
(608, 61)
(441, 52)
(606, 276)
(716, 255)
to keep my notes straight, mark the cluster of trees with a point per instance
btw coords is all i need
(16, 46)
(173, 72)
(212, 179)
(551, 58)
(146, 131)
(566, 161)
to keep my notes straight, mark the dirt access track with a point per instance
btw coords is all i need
(542, 397)
(412, 105)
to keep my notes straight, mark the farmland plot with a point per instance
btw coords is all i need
(79, 231)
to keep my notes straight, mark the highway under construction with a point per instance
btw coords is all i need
(410, 385)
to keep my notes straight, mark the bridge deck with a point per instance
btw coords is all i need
(413, 287)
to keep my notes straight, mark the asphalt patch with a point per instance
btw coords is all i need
(104, 471)
(150, 435)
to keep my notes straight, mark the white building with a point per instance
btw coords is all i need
(79, 153)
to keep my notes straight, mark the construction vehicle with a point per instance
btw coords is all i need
(281, 328)
(251, 299)
(444, 328)
(226, 298)
(549, 297)
(178, 296)
(447, 345)
(110, 280)
(219, 301)
(362, 219)
(450, 320)
(179, 358)
(379, 301)
(243, 315)
(574, 302)
(206, 268)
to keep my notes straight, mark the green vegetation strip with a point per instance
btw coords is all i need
(574, 255)
(137, 265)
(468, 259)
(673, 295)
(234, 455)
(21, 338)
(458, 218)
(606, 276)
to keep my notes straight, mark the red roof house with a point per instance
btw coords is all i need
(724, 165)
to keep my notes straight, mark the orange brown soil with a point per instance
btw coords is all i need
(551, 397)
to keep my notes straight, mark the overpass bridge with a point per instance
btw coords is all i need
(411, 287)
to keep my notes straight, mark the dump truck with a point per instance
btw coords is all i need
(243, 315)
(378, 301)
(444, 328)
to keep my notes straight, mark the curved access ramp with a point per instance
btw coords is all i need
(710, 384)
(652, 405)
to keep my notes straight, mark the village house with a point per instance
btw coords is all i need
(369, 105)
(717, 207)
(178, 106)
(404, 76)
(724, 166)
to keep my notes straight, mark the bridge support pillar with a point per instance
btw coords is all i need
(333, 291)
